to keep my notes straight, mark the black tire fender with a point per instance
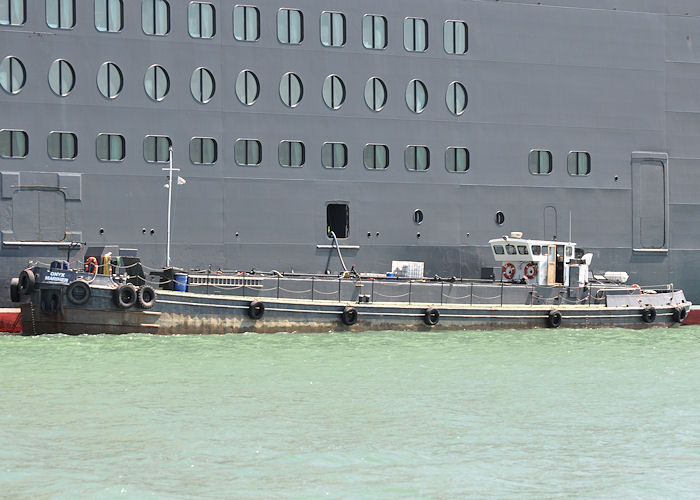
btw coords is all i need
(649, 314)
(27, 282)
(125, 296)
(256, 309)
(14, 290)
(554, 319)
(679, 314)
(146, 296)
(349, 316)
(431, 316)
(78, 292)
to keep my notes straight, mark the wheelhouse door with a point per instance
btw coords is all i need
(552, 265)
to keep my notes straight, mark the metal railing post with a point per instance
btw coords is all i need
(312, 288)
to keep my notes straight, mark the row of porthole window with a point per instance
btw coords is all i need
(247, 152)
(201, 23)
(110, 82)
(577, 162)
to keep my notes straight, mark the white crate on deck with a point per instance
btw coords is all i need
(407, 269)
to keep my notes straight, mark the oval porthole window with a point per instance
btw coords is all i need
(109, 80)
(333, 91)
(247, 87)
(418, 216)
(375, 94)
(500, 218)
(202, 85)
(156, 82)
(61, 77)
(291, 90)
(12, 75)
(456, 98)
(416, 96)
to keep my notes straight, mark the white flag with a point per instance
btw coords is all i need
(181, 181)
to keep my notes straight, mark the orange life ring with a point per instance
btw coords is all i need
(508, 271)
(91, 265)
(530, 270)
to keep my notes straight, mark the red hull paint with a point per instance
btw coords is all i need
(693, 317)
(10, 321)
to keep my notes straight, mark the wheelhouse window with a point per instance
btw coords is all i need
(498, 249)
(338, 219)
(109, 15)
(455, 37)
(417, 158)
(334, 155)
(62, 146)
(457, 159)
(332, 29)
(109, 80)
(201, 20)
(246, 23)
(578, 163)
(61, 77)
(374, 30)
(376, 156)
(510, 249)
(203, 151)
(415, 34)
(540, 162)
(291, 153)
(12, 75)
(155, 17)
(522, 250)
(290, 26)
(536, 249)
(13, 12)
(13, 144)
(60, 14)
(247, 152)
(110, 147)
(156, 148)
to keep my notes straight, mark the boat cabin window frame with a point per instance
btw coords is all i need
(510, 249)
(536, 250)
(522, 250)
(498, 249)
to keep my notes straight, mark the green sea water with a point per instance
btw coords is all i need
(504, 414)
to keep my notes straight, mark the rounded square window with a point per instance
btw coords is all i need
(540, 162)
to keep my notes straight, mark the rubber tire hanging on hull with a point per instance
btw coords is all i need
(349, 316)
(679, 314)
(256, 310)
(27, 280)
(431, 316)
(649, 314)
(125, 296)
(146, 297)
(554, 319)
(78, 293)
(14, 289)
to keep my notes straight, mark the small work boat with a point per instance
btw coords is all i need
(536, 284)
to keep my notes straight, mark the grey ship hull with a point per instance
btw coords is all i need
(619, 81)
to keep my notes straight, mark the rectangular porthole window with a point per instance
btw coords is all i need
(334, 155)
(290, 26)
(415, 34)
(110, 147)
(203, 151)
(109, 15)
(13, 12)
(417, 158)
(376, 156)
(156, 148)
(291, 153)
(246, 23)
(540, 162)
(247, 152)
(338, 219)
(455, 37)
(374, 30)
(578, 163)
(13, 144)
(62, 145)
(457, 159)
(201, 20)
(332, 29)
(155, 17)
(60, 14)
